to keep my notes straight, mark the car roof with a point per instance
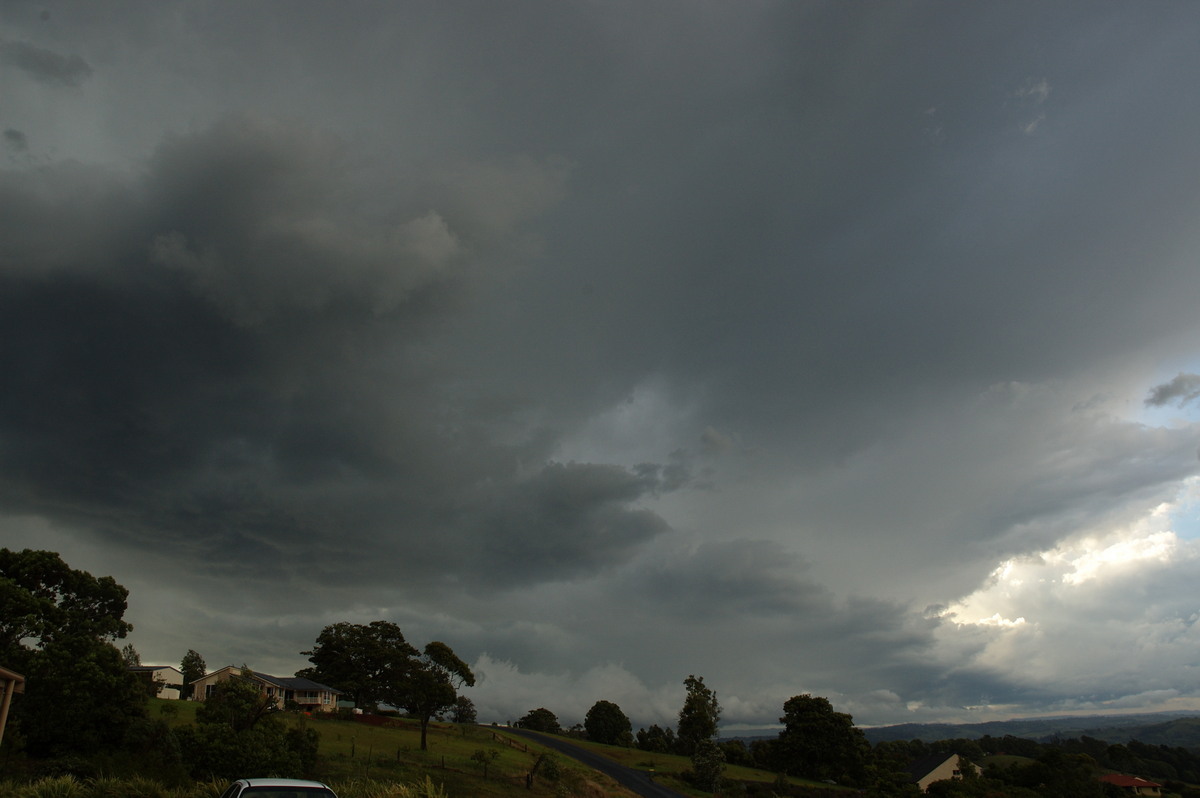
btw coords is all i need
(282, 783)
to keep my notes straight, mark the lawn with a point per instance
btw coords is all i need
(668, 768)
(388, 750)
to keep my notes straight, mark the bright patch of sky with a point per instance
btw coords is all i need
(1020, 586)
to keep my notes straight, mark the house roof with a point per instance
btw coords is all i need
(927, 764)
(1121, 780)
(294, 682)
(145, 668)
(285, 682)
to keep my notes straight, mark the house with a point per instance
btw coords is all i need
(309, 695)
(168, 681)
(11, 682)
(1132, 784)
(938, 767)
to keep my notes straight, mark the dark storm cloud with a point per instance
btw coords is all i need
(1184, 388)
(591, 334)
(15, 139)
(223, 354)
(567, 520)
(732, 578)
(45, 65)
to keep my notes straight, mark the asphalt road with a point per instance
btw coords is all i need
(635, 780)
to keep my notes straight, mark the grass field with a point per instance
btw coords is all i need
(357, 751)
(389, 750)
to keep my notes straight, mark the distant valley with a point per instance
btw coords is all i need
(1174, 729)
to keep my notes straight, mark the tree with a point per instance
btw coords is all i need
(237, 702)
(819, 743)
(656, 739)
(699, 716)
(43, 600)
(708, 763)
(365, 662)
(236, 732)
(464, 710)
(130, 656)
(431, 684)
(374, 663)
(540, 719)
(56, 627)
(79, 698)
(606, 723)
(192, 667)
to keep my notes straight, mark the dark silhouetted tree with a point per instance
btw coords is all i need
(431, 684)
(192, 667)
(464, 710)
(819, 743)
(237, 702)
(708, 763)
(699, 716)
(363, 661)
(656, 739)
(374, 663)
(56, 628)
(606, 723)
(540, 719)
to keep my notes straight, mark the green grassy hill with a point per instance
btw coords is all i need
(373, 748)
(389, 750)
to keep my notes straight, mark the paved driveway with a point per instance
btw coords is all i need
(635, 780)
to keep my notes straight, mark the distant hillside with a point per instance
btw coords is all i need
(1176, 729)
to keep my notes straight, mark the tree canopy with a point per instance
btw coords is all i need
(699, 716)
(540, 719)
(819, 743)
(431, 684)
(363, 661)
(57, 625)
(606, 723)
(43, 600)
(374, 664)
(192, 667)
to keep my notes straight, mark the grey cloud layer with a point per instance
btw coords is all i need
(45, 65)
(584, 336)
(222, 353)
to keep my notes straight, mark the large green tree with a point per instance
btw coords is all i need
(699, 716)
(820, 743)
(192, 667)
(363, 661)
(540, 719)
(237, 702)
(431, 684)
(656, 739)
(374, 664)
(43, 600)
(237, 732)
(464, 710)
(57, 627)
(606, 723)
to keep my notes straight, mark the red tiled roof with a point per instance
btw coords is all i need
(1121, 780)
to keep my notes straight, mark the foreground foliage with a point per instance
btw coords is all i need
(373, 664)
(57, 627)
(71, 787)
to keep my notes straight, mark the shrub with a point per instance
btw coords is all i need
(56, 787)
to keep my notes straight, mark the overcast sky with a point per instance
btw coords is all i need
(845, 349)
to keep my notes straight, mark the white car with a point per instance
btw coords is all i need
(277, 788)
